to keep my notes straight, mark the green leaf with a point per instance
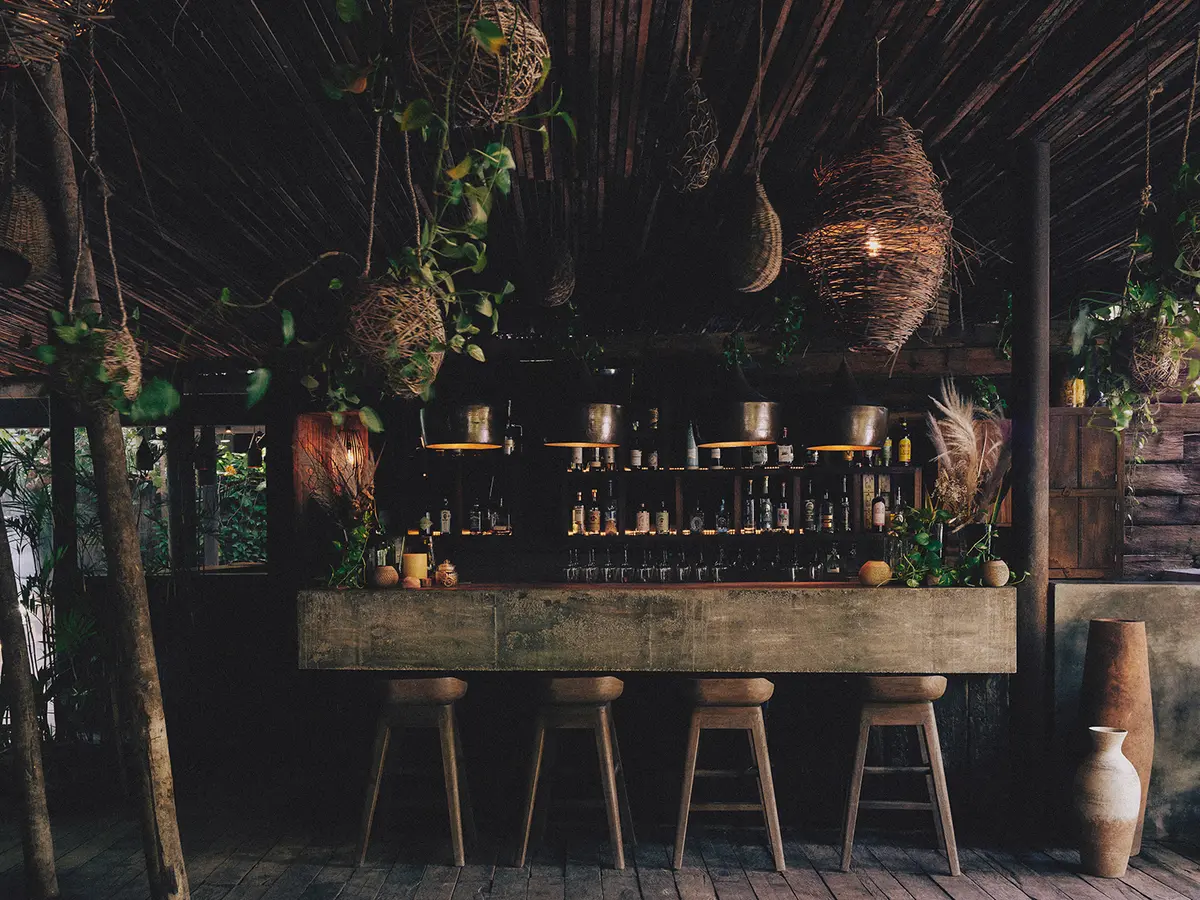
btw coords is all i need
(483, 306)
(545, 133)
(224, 298)
(157, 400)
(475, 352)
(309, 382)
(457, 342)
(349, 11)
(256, 387)
(47, 354)
(489, 36)
(288, 323)
(461, 170)
(68, 334)
(570, 123)
(541, 82)
(371, 419)
(335, 284)
(414, 116)
(504, 182)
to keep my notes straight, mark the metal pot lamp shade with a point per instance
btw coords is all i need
(740, 418)
(849, 423)
(593, 423)
(460, 426)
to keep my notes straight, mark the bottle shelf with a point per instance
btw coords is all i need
(823, 536)
(819, 469)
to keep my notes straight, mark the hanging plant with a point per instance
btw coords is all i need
(693, 155)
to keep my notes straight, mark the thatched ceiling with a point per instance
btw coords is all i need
(230, 168)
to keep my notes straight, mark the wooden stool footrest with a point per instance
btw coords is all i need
(750, 772)
(727, 807)
(894, 804)
(896, 770)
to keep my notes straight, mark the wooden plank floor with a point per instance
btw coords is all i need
(248, 858)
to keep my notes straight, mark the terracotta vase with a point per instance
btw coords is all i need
(1116, 693)
(1106, 802)
(995, 573)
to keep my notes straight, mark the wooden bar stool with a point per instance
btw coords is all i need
(423, 703)
(583, 703)
(730, 703)
(902, 700)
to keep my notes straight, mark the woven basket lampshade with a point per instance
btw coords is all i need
(489, 88)
(693, 155)
(36, 32)
(553, 270)
(880, 243)
(755, 239)
(26, 248)
(389, 322)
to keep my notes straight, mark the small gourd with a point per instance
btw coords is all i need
(874, 572)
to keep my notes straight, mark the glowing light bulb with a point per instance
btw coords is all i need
(349, 454)
(873, 244)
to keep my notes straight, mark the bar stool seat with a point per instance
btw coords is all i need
(730, 703)
(422, 703)
(582, 703)
(902, 700)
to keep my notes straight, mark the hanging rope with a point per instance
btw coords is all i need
(1151, 93)
(688, 36)
(412, 192)
(105, 192)
(878, 79)
(758, 84)
(378, 147)
(1187, 128)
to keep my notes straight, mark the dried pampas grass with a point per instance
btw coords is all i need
(973, 456)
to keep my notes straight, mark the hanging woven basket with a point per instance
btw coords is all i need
(552, 268)
(36, 32)
(880, 244)
(26, 248)
(692, 157)
(122, 361)
(1154, 362)
(393, 324)
(755, 240)
(489, 88)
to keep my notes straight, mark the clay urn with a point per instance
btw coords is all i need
(1106, 801)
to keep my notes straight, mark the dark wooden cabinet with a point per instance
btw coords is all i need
(1087, 486)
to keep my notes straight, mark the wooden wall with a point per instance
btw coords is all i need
(1163, 509)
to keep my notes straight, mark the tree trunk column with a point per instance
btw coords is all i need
(1031, 478)
(40, 877)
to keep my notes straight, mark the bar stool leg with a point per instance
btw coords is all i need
(383, 736)
(609, 780)
(689, 778)
(535, 770)
(622, 791)
(855, 791)
(939, 783)
(766, 788)
(923, 743)
(468, 810)
(446, 731)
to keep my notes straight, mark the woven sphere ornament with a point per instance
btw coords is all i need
(1154, 362)
(554, 272)
(26, 248)
(880, 244)
(489, 88)
(1189, 242)
(755, 242)
(693, 155)
(36, 32)
(122, 362)
(391, 321)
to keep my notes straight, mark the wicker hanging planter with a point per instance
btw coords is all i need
(881, 241)
(391, 322)
(1154, 362)
(36, 32)
(755, 242)
(693, 156)
(122, 361)
(26, 248)
(489, 87)
(552, 268)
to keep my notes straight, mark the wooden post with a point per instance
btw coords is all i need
(1031, 480)
(68, 581)
(142, 700)
(41, 881)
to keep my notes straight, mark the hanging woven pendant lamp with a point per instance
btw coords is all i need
(36, 32)
(26, 249)
(880, 244)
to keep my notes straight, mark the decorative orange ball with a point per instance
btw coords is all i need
(874, 572)
(410, 582)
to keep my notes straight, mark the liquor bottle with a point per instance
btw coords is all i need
(784, 452)
(476, 518)
(848, 457)
(643, 519)
(749, 509)
(425, 525)
(501, 521)
(844, 508)
(766, 509)
(886, 453)
(783, 515)
(662, 519)
(512, 434)
(444, 521)
(827, 514)
(721, 522)
(578, 515)
(593, 514)
(594, 462)
(714, 458)
(610, 459)
(692, 457)
(810, 510)
(650, 456)
(833, 563)
(610, 512)
(812, 457)
(758, 456)
(897, 510)
(905, 451)
(816, 566)
(879, 513)
(635, 447)
(576, 459)
(696, 522)
(870, 459)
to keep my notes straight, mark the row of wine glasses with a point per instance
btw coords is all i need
(684, 566)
